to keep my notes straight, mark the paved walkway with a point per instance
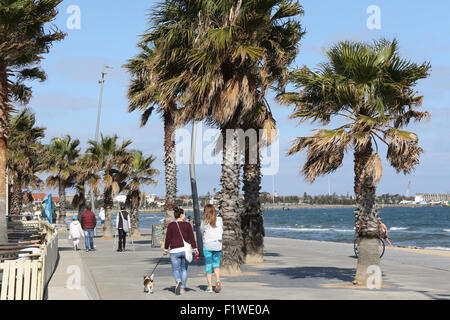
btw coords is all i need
(292, 270)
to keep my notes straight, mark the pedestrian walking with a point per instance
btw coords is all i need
(179, 232)
(75, 232)
(88, 223)
(101, 215)
(122, 226)
(212, 230)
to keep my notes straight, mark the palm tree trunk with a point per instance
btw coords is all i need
(62, 202)
(252, 218)
(233, 255)
(108, 231)
(4, 113)
(170, 167)
(366, 214)
(195, 204)
(17, 195)
(81, 199)
(135, 216)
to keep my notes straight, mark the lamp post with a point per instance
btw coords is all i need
(102, 82)
(195, 204)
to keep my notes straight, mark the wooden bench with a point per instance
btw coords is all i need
(21, 280)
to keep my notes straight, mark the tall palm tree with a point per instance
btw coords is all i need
(142, 173)
(23, 40)
(371, 88)
(24, 156)
(144, 95)
(112, 162)
(242, 49)
(263, 126)
(61, 159)
(216, 59)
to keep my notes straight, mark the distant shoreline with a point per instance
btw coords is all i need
(286, 207)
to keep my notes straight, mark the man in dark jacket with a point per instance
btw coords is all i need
(88, 223)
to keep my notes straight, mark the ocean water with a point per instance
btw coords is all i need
(419, 227)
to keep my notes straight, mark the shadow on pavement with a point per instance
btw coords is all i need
(343, 274)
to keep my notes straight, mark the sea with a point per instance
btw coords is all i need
(418, 227)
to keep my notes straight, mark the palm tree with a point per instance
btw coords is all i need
(24, 156)
(112, 162)
(83, 176)
(61, 159)
(142, 173)
(372, 89)
(252, 219)
(241, 50)
(144, 95)
(23, 40)
(216, 59)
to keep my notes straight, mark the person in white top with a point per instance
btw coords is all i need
(75, 232)
(212, 230)
(101, 215)
(37, 213)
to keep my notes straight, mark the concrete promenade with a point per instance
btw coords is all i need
(292, 270)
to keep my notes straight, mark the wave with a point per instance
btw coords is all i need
(437, 248)
(447, 230)
(308, 229)
(397, 229)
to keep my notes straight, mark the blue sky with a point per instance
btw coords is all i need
(67, 102)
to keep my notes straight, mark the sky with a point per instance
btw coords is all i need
(104, 32)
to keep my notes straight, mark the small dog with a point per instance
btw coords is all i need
(148, 284)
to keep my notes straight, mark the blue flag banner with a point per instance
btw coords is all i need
(47, 201)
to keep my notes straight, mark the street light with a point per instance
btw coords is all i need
(102, 82)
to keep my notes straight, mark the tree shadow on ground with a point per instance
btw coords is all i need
(172, 289)
(343, 274)
(271, 254)
(69, 249)
(141, 241)
(154, 261)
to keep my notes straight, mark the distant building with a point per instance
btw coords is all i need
(149, 198)
(121, 198)
(38, 197)
(214, 200)
(431, 197)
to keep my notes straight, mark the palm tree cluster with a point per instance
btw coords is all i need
(23, 41)
(106, 165)
(214, 61)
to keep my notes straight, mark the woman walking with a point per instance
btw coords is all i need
(178, 232)
(212, 230)
(122, 226)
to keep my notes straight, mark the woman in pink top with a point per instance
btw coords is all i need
(176, 232)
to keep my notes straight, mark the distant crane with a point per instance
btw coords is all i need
(408, 190)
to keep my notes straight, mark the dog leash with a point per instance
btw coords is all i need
(156, 265)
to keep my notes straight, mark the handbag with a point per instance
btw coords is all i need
(125, 226)
(187, 247)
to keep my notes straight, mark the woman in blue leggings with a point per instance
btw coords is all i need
(212, 230)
